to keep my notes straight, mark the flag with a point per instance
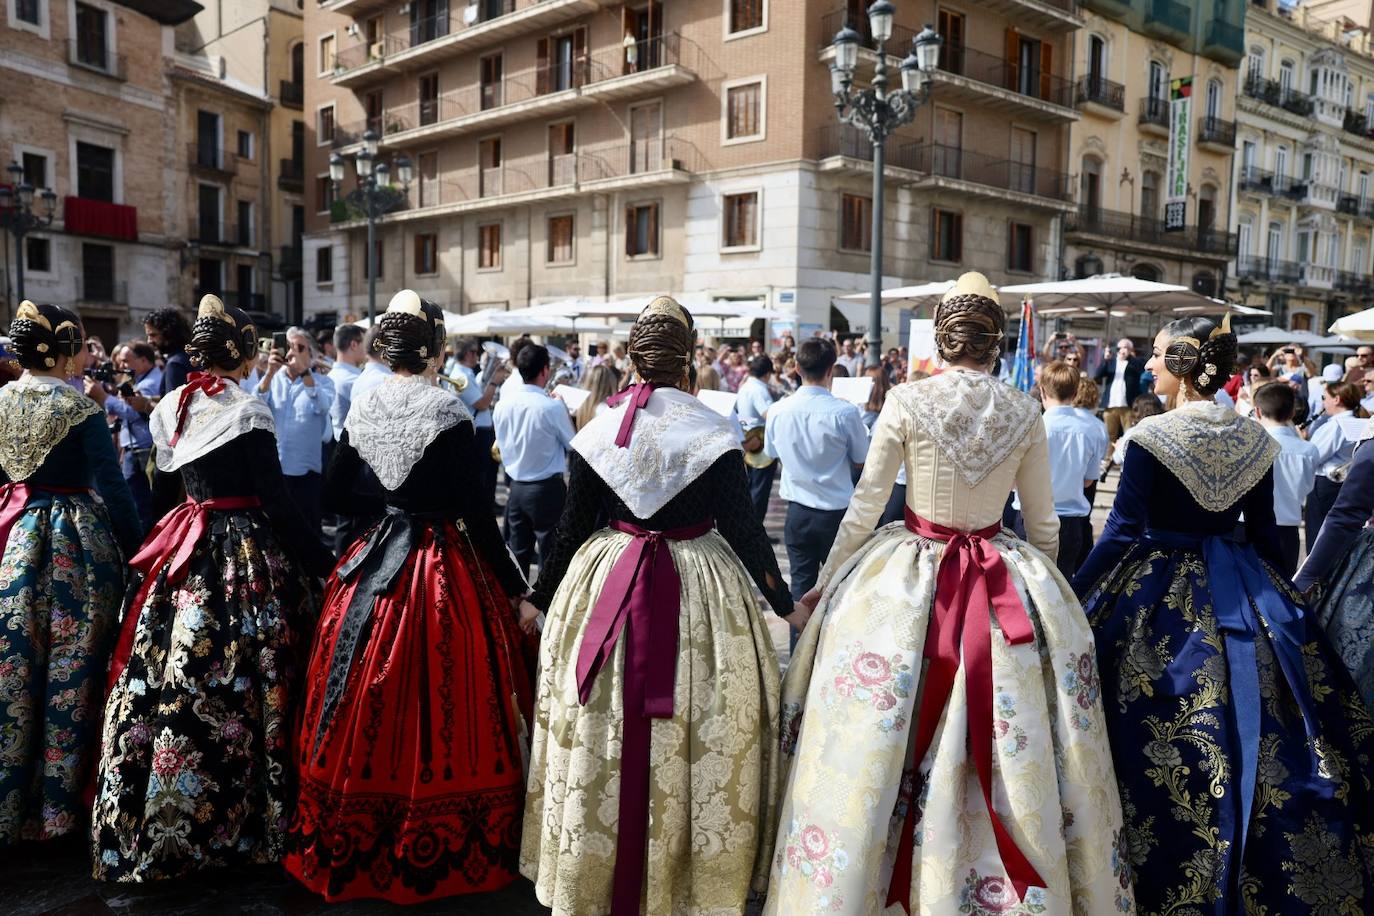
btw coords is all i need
(1023, 366)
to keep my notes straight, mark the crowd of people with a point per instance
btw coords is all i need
(256, 609)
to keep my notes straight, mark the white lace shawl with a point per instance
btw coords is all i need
(36, 413)
(396, 421)
(1218, 455)
(975, 420)
(210, 423)
(675, 439)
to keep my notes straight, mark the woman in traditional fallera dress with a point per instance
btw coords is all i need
(61, 577)
(195, 767)
(1243, 753)
(654, 760)
(983, 783)
(411, 744)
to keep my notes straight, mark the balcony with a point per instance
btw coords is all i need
(1356, 123)
(1041, 15)
(1114, 9)
(1348, 204)
(100, 289)
(220, 233)
(291, 95)
(954, 168)
(1272, 92)
(997, 84)
(1148, 230)
(428, 40)
(209, 158)
(96, 58)
(1101, 96)
(291, 175)
(1216, 134)
(1154, 115)
(1357, 284)
(536, 92)
(1169, 20)
(845, 147)
(1224, 41)
(289, 263)
(99, 218)
(1267, 270)
(835, 20)
(1316, 276)
(1259, 181)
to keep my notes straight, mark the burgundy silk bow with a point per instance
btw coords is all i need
(196, 381)
(971, 583)
(642, 597)
(14, 498)
(638, 395)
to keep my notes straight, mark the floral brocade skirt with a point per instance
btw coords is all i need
(713, 765)
(61, 582)
(195, 769)
(1183, 689)
(413, 789)
(851, 700)
(1346, 612)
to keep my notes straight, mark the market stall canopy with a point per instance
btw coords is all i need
(1359, 325)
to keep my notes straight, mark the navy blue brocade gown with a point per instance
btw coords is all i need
(1242, 750)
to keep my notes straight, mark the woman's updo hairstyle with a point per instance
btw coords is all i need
(41, 335)
(1201, 353)
(412, 332)
(222, 337)
(661, 342)
(969, 322)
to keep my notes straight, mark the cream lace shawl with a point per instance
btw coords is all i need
(395, 422)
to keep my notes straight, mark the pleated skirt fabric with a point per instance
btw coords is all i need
(1346, 611)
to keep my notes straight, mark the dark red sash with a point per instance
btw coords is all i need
(14, 498)
(642, 597)
(972, 581)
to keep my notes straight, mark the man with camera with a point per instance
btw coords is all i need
(127, 390)
(1119, 377)
(300, 399)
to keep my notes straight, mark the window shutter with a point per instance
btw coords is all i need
(1047, 71)
(1013, 58)
(935, 252)
(580, 57)
(630, 231)
(957, 242)
(1012, 259)
(440, 18)
(653, 229)
(626, 28)
(541, 74)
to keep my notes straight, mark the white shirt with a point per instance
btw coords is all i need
(818, 437)
(1335, 445)
(1116, 397)
(373, 374)
(752, 402)
(534, 433)
(344, 376)
(1295, 471)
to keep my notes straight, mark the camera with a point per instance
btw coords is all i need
(104, 373)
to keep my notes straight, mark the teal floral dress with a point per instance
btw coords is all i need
(61, 580)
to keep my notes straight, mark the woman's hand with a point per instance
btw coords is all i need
(529, 615)
(799, 616)
(810, 599)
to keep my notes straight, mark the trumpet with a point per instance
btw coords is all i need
(459, 382)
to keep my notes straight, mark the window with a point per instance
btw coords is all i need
(429, 98)
(491, 70)
(37, 255)
(1362, 188)
(1146, 272)
(35, 170)
(94, 172)
(245, 214)
(562, 154)
(208, 214)
(1281, 162)
(1286, 70)
(381, 262)
(1205, 282)
(97, 273)
(1097, 61)
(324, 128)
(641, 230)
(745, 16)
(327, 58)
(856, 223)
(211, 273)
(92, 39)
(372, 109)
(1020, 247)
(946, 235)
(489, 247)
(245, 145)
(1245, 233)
(1149, 195)
(29, 12)
(245, 283)
(951, 26)
(560, 239)
(1273, 243)
(427, 176)
(741, 217)
(324, 265)
(1032, 63)
(561, 62)
(1254, 64)
(426, 253)
(1213, 99)
(744, 111)
(1090, 185)
(489, 167)
(324, 193)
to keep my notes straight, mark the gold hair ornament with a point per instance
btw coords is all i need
(666, 305)
(29, 312)
(407, 302)
(212, 306)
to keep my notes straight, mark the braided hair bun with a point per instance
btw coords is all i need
(969, 322)
(1201, 353)
(661, 342)
(41, 335)
(411, 332)
(222, 337)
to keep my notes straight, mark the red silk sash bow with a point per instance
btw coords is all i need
(173, 540)
(196, 381)
(971, 583)
(638, 396)
(641, 596)
(14, 498)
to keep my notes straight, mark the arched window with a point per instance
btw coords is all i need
(1097, 59)
(1254, 67)
(1149, 195)
(1090, 190)
(1286, 71)
(1146, 272)
(1159, 81)
(1213, 99)
(1273, 242)
(1207, 207)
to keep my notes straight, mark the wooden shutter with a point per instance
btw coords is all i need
(1047, 72)
(541, 75)
(419, 262)
(579, 67)
(957, 242)
(626, 28)
(629, 231)
(653, 229)
(1013, 58)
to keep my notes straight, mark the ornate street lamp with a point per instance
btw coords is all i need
(18, 217)
(878, 112)
(375, 197)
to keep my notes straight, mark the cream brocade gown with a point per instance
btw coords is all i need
(853, 690)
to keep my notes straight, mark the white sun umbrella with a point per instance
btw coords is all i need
(1275, 336)
(1213, 306)
(1360, 325)
(918, 295)
(1111, 292)
(452, 321)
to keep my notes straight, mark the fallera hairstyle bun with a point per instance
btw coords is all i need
(661, 342)
(1201, 352)
(969, 322)
(222, 337)
(42, 336)
(412, 332)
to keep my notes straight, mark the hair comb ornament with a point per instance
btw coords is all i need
(29, 312)
(666, 305)
(212, 306)
(1223, 328)
(972, 283)
(407, 302)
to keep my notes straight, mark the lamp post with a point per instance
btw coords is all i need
(878, 113)
(18, 217)
(375, 197)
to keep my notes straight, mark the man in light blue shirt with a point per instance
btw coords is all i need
(350, 354)
(1335, 441)
(1295, 468)
(374, 372)
(534, 433)
(1078, 445)
(299, 398)
(466, 355)
(818, 438)
(139, 361)
(751, 405)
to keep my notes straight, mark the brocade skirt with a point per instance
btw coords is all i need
(1346, 611)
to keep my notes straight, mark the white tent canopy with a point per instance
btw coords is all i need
(1276, 336)
(920, 294)
(1115, 294)
(1359, 325)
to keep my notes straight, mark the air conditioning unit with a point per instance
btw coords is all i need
(352, 30)
(470, 14)
(376, 50)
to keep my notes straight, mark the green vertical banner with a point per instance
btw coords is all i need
(1180, 143)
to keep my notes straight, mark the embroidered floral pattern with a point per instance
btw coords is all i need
(1010, 738)
(875, 680)
(1081, 683)
(976, 421)
(35, 415)
(1215, 453)
(395, 422)
(993, 895)
(817, 856)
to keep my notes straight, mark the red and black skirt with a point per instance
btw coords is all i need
(410, 750)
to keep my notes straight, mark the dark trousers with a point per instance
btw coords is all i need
(761, 488)
(304, 491)
(809, 534)
(1085, 545)
(1319, 503)
(1070, 542)
(1288, 549)
(487, 468)
(532, 512)
(895, 510)
(134, 465)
